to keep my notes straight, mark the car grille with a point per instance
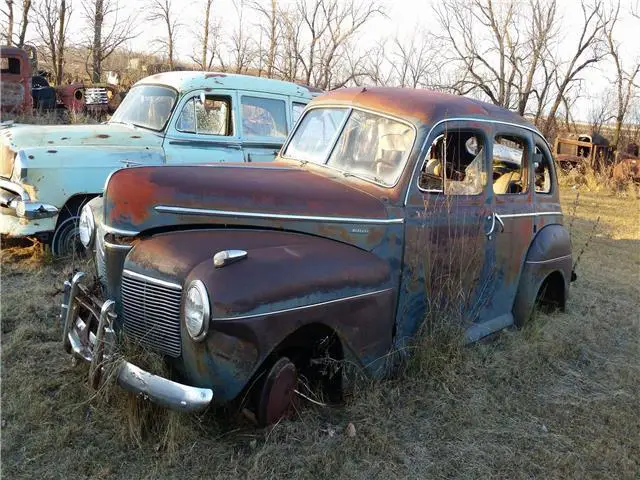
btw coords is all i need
(151, 311)
(96, 96)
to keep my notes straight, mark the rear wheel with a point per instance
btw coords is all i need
(275, 396)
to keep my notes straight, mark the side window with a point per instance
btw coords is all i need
(9, 65)
(543, 170)
(213, 117)
(455, 164)
(296, 111)
(509, 165)
(263, 117)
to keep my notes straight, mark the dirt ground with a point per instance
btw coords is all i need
(559, 399)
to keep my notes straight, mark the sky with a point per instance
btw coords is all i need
(402, 16)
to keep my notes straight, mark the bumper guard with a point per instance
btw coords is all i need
(80, 311)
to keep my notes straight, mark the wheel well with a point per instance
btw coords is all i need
(73, 206)
(317, 352)
(551, 294)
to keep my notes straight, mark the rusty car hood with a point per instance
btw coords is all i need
(275, 196)
(61, 136)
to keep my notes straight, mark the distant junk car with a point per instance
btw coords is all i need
(47, 172)
(245, 277)
(578, 150)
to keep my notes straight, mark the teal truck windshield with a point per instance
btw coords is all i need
(147, 106)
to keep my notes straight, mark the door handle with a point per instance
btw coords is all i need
(495, 218)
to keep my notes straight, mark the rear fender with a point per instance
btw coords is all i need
(549, 252)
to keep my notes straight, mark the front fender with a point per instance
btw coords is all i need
(55, 174)
(287, 281)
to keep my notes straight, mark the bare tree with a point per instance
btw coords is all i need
(600, 110)
(109, 30)
(328, 26)
(271, 28)
(161, 11)
(241, 52)
(8, 12)
(624, 76)
(24, 22)
(51, 22)
(588, 51)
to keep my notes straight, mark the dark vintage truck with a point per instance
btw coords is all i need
(383, 205)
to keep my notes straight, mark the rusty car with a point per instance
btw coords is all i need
(48, 172)
(583, 150)
(247, 277)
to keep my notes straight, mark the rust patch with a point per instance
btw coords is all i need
(102, 135)
(52, 151)
(135, 136)
(215, 75)
(30, 157)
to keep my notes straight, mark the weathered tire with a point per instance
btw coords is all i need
(277, 392)
(66, 239)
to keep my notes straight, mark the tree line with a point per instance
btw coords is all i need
(514, 53)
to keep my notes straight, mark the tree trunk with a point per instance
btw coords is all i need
(97, 41)
(61, 34)
(205, 37)
(272, 40)
(9, 33)
(26, 7)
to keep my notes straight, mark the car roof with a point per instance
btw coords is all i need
(193, 80)
(425, 107)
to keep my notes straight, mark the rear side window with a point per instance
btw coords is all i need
(509, 165)
(263, 117)
(455, 164)
(543, 170)
(213, 117)
(296, 111)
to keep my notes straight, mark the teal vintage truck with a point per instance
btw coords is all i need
(47, 173)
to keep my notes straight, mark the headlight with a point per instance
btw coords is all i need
(86, 226)
(196, 310)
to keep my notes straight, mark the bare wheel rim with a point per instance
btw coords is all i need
(278, 391)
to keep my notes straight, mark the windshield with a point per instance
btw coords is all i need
(147, 106)
(369, 146)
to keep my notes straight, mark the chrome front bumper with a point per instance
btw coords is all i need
(82, 313)
(18, 203)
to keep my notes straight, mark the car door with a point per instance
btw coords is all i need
(265, 121)
(448, 255)
(203, 129)
(513, 215)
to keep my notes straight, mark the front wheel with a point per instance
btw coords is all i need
(66, 238)
(275, 397)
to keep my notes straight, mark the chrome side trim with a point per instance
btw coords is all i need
(117, 231)
(304, 307)
(116, 246)
(276, 216)
(163, 283)
(550, 260)
(466, 119)
(534, 214)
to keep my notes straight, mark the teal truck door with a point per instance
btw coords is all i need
(265, 122)
(202, 129)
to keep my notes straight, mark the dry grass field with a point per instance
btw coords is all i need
(560, 399)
